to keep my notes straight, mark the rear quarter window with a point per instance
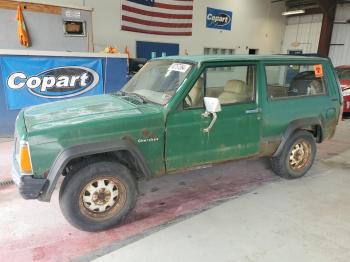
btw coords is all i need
(295, 80)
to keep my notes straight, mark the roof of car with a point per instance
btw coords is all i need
(344, 67)
(213, 58)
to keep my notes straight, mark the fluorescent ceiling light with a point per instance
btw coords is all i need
(294, 12)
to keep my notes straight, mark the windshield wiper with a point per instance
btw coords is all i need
(141, 97)
(120, 92)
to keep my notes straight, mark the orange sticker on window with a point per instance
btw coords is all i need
(318, 70)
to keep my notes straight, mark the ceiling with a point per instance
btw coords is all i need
(307, 4)
(301, 4)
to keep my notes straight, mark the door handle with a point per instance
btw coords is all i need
(254, 111)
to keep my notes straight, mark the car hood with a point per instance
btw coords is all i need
(78, 110)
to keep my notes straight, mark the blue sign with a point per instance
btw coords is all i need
(219, 19)
(35, 80)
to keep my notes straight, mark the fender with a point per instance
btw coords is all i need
(299, 124)
(70, 153)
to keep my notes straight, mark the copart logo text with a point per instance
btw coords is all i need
(220, 19)
(59, 82)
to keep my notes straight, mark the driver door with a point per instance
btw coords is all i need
(235, 134)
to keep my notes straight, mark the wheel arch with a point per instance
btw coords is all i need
(312, 124)
(111, 149)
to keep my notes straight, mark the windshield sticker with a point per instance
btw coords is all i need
(318, 70)
(179, 67)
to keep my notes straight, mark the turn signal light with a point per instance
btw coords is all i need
(25, 162)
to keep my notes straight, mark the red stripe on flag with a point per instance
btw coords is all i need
(132, 29)
(154, 14)
(173, 7)
(153, 23)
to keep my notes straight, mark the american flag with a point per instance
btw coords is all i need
(158, 17)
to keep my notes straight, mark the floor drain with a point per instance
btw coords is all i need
(6, 183)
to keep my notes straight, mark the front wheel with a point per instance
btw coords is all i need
(98, 196)
(297, 156)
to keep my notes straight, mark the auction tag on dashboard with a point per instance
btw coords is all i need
(318, 70)
(179, 67)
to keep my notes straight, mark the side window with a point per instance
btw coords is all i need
(294, 80)
(194, 99)
(234, 84)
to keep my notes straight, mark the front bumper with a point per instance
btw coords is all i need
(29, 187)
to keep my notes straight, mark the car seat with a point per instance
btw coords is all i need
(235, 91)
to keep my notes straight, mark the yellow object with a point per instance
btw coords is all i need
(21, 28)
(25, 162)
(111, 50)
(186, 52)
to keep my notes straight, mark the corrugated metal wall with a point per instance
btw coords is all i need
(302, 33)
(340, 48)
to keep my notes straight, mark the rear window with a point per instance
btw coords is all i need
(295, 80)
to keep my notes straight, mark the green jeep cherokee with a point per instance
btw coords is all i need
(176, 113)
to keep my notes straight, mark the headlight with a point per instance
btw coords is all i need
(346, 92)
(24, 161)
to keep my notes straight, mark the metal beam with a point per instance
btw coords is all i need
(328, 8)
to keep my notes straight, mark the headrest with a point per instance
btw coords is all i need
(235, 86)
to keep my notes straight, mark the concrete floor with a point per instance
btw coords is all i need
(5, 159)
(301, 220)
(237, 211)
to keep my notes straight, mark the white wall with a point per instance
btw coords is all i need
(343, 12)
(302, 33)
(39, 31)
(340, 48)
(306, 30)
(256, 24)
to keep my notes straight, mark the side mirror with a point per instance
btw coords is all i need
(212, 104)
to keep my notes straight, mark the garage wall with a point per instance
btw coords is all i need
(47, 35)
(302, 33)
(305, 30)
(340, 48)
(257, 24)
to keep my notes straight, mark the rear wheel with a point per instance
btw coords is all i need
(98, 196)
(297, 156)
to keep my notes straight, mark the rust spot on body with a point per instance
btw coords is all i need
(128, 138)
(267, 148)
(148, 134)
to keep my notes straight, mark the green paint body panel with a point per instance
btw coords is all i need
(181, 142)
(59, 125)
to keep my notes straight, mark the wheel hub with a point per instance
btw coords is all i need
(300, 155)
(100, 195)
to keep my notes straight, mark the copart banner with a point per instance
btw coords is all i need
(219, 19)
(34, 80)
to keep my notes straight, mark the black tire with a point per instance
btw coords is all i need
(285, 165)
(115, 190)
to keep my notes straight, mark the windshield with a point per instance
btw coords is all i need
(158, 81)
(343, 74)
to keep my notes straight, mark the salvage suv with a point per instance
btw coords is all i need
(176, 113)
